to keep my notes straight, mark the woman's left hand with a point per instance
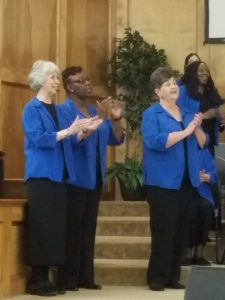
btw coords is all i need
(198, 119)
(204, 177)
(110, 109)
(116, 110)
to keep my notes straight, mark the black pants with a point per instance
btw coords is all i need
(169, 219)
(202, 213)
(81, 228)
(45, 222)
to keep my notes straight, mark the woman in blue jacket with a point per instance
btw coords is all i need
(202, 211)
(199, 94)
(48, 163)
(84, 191)
(171, 137)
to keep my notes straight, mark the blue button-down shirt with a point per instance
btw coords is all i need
(85, 154)
(164, 167)
(44, 155)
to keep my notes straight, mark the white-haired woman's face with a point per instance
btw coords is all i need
(51, 84)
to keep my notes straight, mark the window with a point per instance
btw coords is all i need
(214, 21)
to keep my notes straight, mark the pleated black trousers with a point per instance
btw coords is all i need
(81, 229)
(169, 222)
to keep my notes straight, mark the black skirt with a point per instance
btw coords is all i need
(45, 222)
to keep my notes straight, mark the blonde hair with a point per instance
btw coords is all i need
(39, 73)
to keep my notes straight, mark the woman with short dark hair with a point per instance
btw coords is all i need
(84, 192)
(171, 138)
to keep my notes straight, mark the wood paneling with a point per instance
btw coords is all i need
(13, 99)
(81, 32)
(88, 40)
(13, 273)
(29, 32)
(65, 31)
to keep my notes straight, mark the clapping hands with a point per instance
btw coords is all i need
(84, 125)
(109, 108)
(195, 123)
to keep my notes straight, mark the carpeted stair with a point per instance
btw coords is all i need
(123, 244)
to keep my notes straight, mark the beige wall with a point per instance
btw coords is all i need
(176, 26)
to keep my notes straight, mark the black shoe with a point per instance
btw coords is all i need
(187, 261)
(61, 292)
(91, 286)
(156, 286)
(201, 261)
(69, 286)
(45, 288)
(176, 286)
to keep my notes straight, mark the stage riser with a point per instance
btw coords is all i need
(123, 244)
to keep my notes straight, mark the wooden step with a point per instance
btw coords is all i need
(122, 247)
(133, 247)
(123, 226)
(123, 244)
(121, 271)
(123, 208)
(128, 272)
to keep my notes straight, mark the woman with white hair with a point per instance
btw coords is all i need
(48, 164)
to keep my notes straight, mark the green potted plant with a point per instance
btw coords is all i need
(131, 65)
(129, 175)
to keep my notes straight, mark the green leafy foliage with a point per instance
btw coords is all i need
(129, 172)
(132, 63)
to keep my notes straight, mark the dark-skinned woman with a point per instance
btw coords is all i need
(84, 192)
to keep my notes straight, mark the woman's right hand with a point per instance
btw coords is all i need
(195, 123)
(78, 125)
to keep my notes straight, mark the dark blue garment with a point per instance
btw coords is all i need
(185, 100)
(207, 163)
(164, 167)
(85, 153)
(44, 156)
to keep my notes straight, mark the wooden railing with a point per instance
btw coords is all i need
(13, 271)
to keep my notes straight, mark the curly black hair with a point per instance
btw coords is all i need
(191, 81)
(73, 70)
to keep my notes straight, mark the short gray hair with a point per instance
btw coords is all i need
(161, 75)
(39, 73)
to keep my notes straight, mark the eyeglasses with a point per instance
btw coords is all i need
(81, 81)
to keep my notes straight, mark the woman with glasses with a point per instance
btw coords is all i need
(84, 192)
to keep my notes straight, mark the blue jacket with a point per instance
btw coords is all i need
(85, 153)
(207, 163)
(164, 167)
(194, 106)
(44, 156)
